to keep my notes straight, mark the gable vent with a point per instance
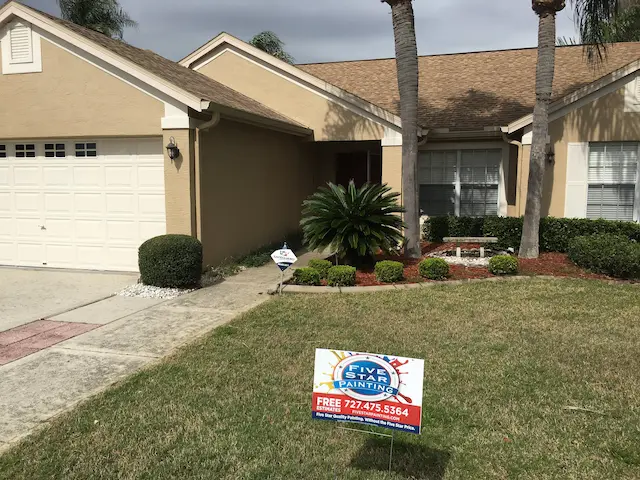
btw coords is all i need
(21, 43)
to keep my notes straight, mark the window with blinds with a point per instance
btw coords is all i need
(460, 182)
(613, 176)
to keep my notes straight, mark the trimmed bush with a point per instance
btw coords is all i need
(341, 276)
(434, 269)
(613, 255)
(170, 261)
(306, 276)
(503, 265)
(388, 271)
(322, 266)
(555, 233)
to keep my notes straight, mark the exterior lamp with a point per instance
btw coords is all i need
(172, 149)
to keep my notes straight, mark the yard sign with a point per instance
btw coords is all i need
(284, 257)
(367, 388)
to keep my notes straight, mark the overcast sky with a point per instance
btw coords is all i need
(331, 30)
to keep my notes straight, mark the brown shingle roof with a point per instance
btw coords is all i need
(175, 74)
(472, 90)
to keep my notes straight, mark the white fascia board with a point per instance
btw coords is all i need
(176, 116)
(294, 75)
(101, 53)
(587, 94)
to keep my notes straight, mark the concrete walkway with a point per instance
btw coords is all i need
(125, 335)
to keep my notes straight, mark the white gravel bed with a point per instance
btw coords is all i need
(140, 290)
(467, 262)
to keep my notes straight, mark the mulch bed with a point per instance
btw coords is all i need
(548, 264)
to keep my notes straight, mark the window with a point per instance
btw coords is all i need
(613, 175)
(52, 150)
(27, 150)
(460, 182)
(21, 49)
(3, 151)
(86, 150)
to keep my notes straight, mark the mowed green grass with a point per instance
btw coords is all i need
(503, 360)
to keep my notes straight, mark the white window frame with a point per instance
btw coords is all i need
(459, 148)
(85, 149)
(56, 148)
(10, 67)
(632, 96)
(636, 204)
(25, 150)
(4, 150)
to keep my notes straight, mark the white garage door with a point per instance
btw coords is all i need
(85, 204)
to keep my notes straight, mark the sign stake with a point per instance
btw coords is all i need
(386, 435)
(283, 258)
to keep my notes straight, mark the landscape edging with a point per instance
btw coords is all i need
(402, 286)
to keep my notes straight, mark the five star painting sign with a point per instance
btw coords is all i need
(369, 389)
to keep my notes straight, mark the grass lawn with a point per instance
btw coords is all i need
(503, 360)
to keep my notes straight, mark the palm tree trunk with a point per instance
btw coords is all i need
(530, 243)
(407, 64)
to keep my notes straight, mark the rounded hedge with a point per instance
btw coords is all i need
(613, 255)
(170, 261)
(306, 276)
(434, 268)
(389, 271)
(322, 267)
(341, 276)
(503, 265)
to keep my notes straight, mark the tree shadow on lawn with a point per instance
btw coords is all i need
(410, 460)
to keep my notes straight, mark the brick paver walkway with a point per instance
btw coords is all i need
(35, 336)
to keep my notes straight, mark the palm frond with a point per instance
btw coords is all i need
(104, 16)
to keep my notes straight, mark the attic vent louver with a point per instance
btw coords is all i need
(21, 43)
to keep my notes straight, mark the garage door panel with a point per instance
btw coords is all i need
(95, 210)
(89, 203)
(87, 176)
(57, 176)
(151, 204)
(26, 176)
(58, 202)
(119, 176)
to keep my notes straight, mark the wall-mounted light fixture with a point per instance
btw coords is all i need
(172, 149)
(551, 154)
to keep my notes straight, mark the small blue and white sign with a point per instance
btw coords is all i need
(284, 257)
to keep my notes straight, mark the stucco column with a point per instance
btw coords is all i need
(180, 183)
(392, 167)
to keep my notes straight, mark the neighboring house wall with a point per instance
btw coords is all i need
(72, 98)
(329, 120)
(603, 120)
(252, 184)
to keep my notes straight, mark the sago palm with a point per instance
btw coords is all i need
(592, 16)
(104, 16)
(356, 223)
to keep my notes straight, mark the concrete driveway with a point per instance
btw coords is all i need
(28, 295)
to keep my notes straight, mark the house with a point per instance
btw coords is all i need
(85, 122)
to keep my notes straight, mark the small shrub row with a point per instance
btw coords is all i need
(503, 265)
(338, 276)
(613, 255)
(555, 233)
(389, 271)
(434, 268)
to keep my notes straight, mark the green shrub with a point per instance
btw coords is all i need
(306, 276)
(436, 228)
(508, 230)
(171, 261)
(262, 255)
(613, 255)
(356, 223)
(341, 276)
(322, 266)
(388, 271)
(434, 269)
(503, 265)
(556, 233)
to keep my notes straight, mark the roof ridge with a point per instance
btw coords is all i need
(452, 54)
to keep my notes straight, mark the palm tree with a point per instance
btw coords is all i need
(104, 16)
(270, 42)
(404, 32)
(591, 17)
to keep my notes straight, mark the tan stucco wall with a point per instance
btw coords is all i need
(328, 120)
(603, 120)
(72, 98)
(179, 181)
(392, 167)
(253, 182)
